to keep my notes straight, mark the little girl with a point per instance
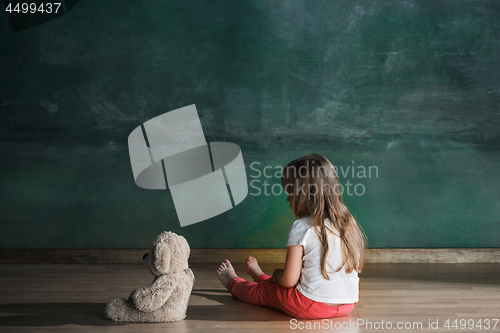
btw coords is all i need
(325, 250)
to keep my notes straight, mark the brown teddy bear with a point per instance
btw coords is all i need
(166, 299)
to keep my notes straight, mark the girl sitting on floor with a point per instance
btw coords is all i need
(325, 250)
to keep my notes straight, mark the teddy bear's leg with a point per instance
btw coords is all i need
(115, 309)
(119, 309)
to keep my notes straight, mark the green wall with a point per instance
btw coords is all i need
(411, 89)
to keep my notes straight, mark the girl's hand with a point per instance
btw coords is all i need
(276, 274)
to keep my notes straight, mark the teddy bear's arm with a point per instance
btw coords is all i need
(150, 298)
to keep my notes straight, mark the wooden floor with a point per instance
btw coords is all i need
(71, 298)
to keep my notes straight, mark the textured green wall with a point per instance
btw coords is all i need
(411, 88)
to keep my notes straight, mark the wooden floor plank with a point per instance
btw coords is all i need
(71, 298)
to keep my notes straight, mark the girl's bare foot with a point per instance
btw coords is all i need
(226, 273)
(252, 267)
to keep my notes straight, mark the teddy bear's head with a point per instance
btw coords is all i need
(168, 254)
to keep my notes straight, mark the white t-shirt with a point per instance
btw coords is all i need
(342, 288)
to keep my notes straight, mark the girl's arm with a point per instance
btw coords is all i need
(289, 276)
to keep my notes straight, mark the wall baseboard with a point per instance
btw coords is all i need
(265, 256)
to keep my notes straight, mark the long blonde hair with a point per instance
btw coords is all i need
(315, 191)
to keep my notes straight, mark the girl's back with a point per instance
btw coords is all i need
(342, 287)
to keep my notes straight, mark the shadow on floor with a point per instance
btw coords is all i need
(92, 314)
(230, 309)
(54, 314)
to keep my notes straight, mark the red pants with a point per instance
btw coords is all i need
(289, 300)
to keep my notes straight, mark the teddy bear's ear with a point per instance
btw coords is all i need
(162, 258)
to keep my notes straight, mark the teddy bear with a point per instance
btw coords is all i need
(166, 299)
